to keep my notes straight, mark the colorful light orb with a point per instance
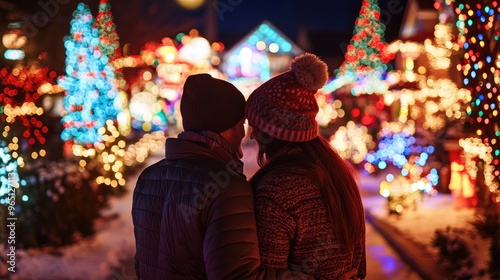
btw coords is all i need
(190, 4)
(401, 193)
(397, 146)
(352, 142)
(197, 51)
(148, 112)
(167, 53)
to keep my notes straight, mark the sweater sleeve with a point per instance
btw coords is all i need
(275, 229)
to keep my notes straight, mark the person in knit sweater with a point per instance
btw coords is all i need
(309, 212)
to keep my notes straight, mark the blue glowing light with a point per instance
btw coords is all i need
(90, 82)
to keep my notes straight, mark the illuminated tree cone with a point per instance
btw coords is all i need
(21, 122)
(479, 39)
(365, 56)
(110, 46)
(89, 82)
(110, 42)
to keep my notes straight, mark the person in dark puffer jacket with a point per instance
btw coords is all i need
(309, 211)
(193, 211)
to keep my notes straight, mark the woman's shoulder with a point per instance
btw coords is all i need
(285, 182)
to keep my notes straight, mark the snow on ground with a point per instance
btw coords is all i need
(92, 258)
(433, 213)
(439, 212)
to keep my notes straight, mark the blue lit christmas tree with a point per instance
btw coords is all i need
(89, 82)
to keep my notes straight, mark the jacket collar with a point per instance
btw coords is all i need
(191, 145)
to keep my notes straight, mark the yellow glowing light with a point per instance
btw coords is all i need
(261, 45)
(190, 4)
(274, 48)
(409, 64)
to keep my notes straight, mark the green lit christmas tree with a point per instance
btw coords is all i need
(365, 56)
(89, 82)
(110, 42)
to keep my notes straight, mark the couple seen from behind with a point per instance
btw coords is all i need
(300, 216)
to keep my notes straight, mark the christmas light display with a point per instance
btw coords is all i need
(396, 145)
(8, 170)
(365, 59)
(110, 44)
(352, 142)
(462, 185)
(155, 95)
(401, 193)
(434, 104)
(474, 147)
(405, 190)
(109, 154)
(139, 151)
(147, 112)
(479, 39)
(440, 51)
(89, 82)
(328, 110)
(399, 149)
(260, 55)
(21, 123)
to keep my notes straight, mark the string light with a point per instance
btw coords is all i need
(89, 82)
(352, 142)
(8, 170)
(474, 147)
(481, 76)
(139, 151)
(20, 121)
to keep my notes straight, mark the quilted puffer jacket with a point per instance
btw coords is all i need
(194, 218)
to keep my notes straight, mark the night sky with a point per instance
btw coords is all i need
(316, 26)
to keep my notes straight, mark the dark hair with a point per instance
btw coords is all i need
(336, 179)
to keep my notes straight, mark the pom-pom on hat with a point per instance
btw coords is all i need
(285, 107)
(210, 104)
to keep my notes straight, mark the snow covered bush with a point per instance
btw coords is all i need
(487, 224)
(56, 203)
(461, 250)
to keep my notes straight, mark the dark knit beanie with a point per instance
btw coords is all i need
(210, 104)
(285, 107)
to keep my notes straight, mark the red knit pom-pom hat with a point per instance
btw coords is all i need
(285, 106)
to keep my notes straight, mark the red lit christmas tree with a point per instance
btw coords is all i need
(110, 44)
(365, 56)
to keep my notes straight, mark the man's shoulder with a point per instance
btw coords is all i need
(199, 171)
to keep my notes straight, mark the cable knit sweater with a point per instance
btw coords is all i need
(293, 229)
